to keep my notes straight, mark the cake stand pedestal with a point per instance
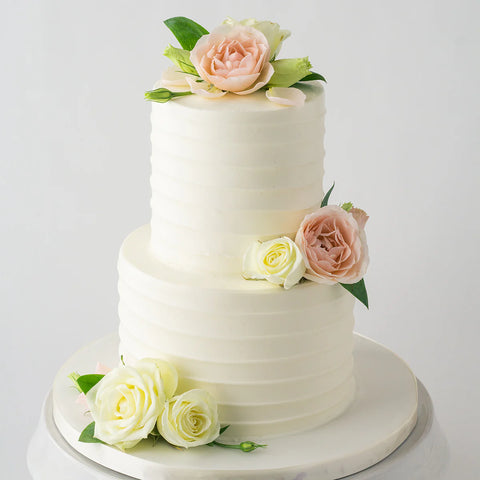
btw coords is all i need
(386, 417)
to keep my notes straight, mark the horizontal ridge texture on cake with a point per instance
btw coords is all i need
(229, 171)
(277, 361)
(226, 173)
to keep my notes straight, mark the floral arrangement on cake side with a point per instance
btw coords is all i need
(133, 402)
(237, 57)
(330, 247)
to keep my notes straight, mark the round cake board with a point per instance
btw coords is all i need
(379, 420)
(422, 456)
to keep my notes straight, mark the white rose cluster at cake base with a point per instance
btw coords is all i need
(131, 403)
(236, 57)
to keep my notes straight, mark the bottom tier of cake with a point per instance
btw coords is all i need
(277, 361)
(379, 420)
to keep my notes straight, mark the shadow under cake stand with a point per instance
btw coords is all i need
(389, 432)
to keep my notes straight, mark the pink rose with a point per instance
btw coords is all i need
(234, 58)
(334, 245)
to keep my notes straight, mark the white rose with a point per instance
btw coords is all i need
(168, 374)
(274, 35)
(279, 261)
(127, 402)
(190, 419)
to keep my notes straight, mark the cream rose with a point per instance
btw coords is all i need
(333, 244)
(274, 35)
(190, 419)
(233, 58)
(279, 261)
(127, 402)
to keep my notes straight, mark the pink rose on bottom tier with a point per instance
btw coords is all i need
(334, 245)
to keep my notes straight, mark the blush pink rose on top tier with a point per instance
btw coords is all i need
(334, 246)
(233, 58)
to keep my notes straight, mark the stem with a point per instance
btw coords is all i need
(224, 445)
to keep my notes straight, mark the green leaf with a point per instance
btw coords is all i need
(223, 429)
(347, 206)
(289, 71)
(155, 435)
(87, 435)
(186, 31)
(87, 382)
(74, 378)
(327, 196)
(163, 95)
(358, 290)
(313, 76)
(181, 58)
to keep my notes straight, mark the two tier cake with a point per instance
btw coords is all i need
(236, 300)
(226, 173)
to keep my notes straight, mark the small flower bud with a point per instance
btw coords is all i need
(250, 446)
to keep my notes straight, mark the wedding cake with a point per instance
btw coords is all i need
(231, 176)
(236, 300)
(226, 173)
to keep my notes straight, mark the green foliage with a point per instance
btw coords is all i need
(181, 58)
(74, 378)
(87, 435)
(186, 31)
(163, 95)
(87, 382)
(223, 429)
(327, 196)
(289, 71)
(358, 290)
(313, 76)
(246, 446)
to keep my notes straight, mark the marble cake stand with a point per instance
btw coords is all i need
(379, 422)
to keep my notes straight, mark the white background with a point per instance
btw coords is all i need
(402, 142)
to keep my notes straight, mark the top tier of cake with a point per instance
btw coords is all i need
(231, 171)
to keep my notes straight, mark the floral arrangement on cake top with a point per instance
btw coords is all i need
(330, 247)
(237, 57)
(132, 403)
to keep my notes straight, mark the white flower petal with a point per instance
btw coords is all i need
(175, 80)
(274, 35)
(168, 374)
(204, 89)
(297, 272)
(321, 280)
(286, 96)
(250, 263)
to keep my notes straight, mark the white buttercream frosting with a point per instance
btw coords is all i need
(277, 361)
(231, 171)
(226, 173)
